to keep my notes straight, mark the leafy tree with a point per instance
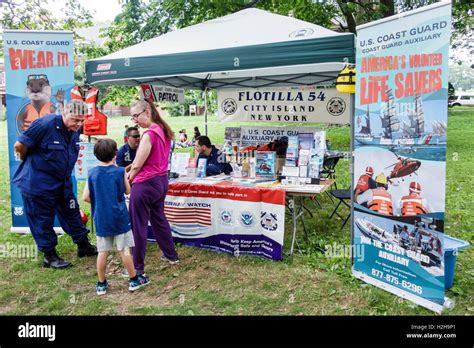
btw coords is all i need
(35, 15)
(461, 75)
(141, 20)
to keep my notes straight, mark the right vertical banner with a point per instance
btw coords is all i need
(400, 153)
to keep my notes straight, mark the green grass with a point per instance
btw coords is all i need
(207, 283)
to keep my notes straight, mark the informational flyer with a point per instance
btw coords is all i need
(86, 160)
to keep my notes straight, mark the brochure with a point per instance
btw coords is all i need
(304, 156)
(293, 142)
(306, 141)
(265, 164)
(291, 156)
(290, 171)
(320, 141)
(201, 169)
(316, 163)
(179, 162)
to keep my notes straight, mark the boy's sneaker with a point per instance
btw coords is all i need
(102, 288)
(173, 262)
(125, 273)
(140, 281)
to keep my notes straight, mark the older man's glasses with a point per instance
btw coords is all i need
(134, 117)
(136, 136)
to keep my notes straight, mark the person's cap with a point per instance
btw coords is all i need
(381, 179)
(369, 170)
(415, 187)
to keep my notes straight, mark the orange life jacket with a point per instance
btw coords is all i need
(363, 183)
(96, 121)
(381, 201)
(412, 205)
(32, 114)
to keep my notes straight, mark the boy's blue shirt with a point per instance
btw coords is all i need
(109, 210)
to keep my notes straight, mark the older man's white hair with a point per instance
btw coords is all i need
(76, 108)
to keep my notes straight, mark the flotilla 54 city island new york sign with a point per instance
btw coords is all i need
(306, 104)
(400, 153)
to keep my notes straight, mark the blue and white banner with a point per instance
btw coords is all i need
(400, 153)
(39, 72)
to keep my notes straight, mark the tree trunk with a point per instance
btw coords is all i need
(351, 23)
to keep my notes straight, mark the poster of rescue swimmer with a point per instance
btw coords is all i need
(39, 73)
(400, 153)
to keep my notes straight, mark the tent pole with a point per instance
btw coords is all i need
(205, 110)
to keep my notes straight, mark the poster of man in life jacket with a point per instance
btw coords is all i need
(39, 71)
(400, 153)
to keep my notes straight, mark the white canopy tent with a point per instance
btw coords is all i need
(247, 49)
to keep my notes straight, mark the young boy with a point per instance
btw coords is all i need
(105, 189)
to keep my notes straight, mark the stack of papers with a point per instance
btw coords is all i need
(302, 188)
(219, 177)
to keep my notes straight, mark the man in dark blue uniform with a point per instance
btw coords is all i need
(126, 153)
(216, 161)
(49, 150)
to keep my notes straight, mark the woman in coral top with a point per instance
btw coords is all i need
(149, 178)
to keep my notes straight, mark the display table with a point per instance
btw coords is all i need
(298, 195)
(235, 217)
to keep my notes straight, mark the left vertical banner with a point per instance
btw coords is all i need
(39, 74)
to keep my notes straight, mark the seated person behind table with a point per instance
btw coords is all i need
(126, 153)
(216, 161)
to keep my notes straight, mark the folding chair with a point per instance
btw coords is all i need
(329, 169)
(342, 196)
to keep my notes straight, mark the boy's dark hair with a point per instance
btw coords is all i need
(105, 150)
(203, 140)
(130, 129)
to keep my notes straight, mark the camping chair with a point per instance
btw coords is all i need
(342, 196)
(329, 169)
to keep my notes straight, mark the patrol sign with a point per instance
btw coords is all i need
(158, 94)
(306, 104)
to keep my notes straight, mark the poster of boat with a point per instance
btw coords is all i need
(403, 132)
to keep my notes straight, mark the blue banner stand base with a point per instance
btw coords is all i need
(403, 294)
(26, 230)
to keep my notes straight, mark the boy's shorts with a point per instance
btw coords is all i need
(122, 241)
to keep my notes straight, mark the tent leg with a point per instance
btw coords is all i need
(205, 111)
